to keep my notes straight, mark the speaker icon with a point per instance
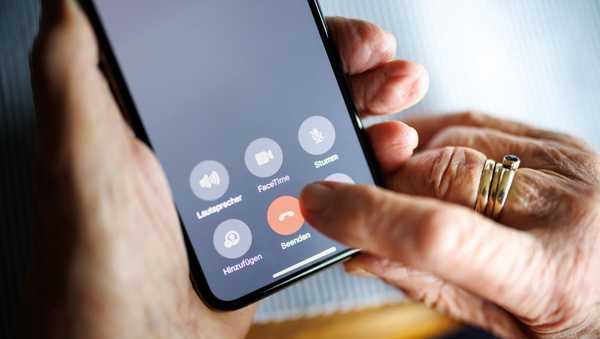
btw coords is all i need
(210, 180)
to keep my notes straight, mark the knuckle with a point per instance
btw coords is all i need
(441, 159)
(473, 117)
(455, 170)
(440, 166)
(551, 154)
(576, 164)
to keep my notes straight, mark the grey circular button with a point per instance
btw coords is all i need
(209, 180)
(263, 157)
(232, 239)
(316, 135)
(341, 178)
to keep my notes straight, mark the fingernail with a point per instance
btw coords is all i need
(359, 272)
(316, 197)
(391, 45)
(413, 137)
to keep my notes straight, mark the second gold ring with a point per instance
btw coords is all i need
(496, 182)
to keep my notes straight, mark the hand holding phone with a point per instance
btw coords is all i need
(84, 138)
(240, 122)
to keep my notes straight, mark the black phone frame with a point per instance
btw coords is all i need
(112, 71)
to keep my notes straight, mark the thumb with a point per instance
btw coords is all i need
(448, 241)
(76, 111)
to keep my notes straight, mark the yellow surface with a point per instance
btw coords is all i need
(390, 322)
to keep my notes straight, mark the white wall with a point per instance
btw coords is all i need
(535, 60)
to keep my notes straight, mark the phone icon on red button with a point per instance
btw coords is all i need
(284, 215)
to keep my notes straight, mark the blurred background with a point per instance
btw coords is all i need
(536, 61)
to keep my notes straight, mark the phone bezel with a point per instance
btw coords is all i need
(112, 70)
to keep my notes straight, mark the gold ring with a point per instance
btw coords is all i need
(495, 184)
(485, 183)
(489, 211)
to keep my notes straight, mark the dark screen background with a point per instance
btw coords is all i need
(210, 76)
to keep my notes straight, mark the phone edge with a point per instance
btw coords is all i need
(112, 71)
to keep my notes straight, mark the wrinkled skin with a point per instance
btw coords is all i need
(110, 261)
(535, 273)
(109, 256)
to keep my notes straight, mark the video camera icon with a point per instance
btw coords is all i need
(263, 157)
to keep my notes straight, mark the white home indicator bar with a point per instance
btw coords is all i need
(305, 262)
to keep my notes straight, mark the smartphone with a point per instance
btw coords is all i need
(244, 103)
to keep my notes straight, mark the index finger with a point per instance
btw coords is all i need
(448, 241)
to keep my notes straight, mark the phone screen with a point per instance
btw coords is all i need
(242, 106)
